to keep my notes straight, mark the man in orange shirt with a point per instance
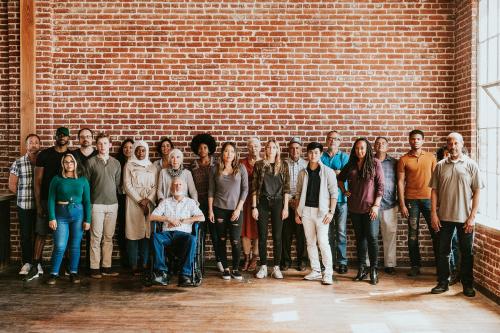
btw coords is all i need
(414, 173)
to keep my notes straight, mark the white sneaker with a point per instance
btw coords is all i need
(40, 270)
(327, 279)
(262, 273)
(25, 269)
(313, 276)
(220, 267)
(277, 273)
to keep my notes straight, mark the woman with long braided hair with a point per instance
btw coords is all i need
(365, 179)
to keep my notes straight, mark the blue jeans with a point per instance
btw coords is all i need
(366, 232)
(69, 226)
(337, 235)
(455, 253)
(465, 241)
(136, 248)
(415, 207)
(27, 220)
(184, 245)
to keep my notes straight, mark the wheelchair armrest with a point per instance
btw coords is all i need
(156, 226)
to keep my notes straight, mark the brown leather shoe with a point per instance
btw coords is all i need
(253, 264)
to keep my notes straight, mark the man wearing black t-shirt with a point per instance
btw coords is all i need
(86, 151)
(48, 164)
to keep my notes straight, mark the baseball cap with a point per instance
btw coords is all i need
(295, 139)
(62, 130)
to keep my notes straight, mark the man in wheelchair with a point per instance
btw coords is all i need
(177, 213)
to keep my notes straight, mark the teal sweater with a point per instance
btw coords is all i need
(73, 190)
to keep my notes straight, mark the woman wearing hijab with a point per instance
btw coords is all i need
(139, 183)
(175, 169)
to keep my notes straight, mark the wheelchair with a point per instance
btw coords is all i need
(174, 262)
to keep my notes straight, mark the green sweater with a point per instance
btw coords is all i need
(73, 190)
(104, 179)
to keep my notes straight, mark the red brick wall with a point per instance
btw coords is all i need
(487, 259)
(272, 69)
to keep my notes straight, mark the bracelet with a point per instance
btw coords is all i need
(376, 206)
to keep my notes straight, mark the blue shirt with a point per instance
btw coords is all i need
(389, 199)
(336, 162)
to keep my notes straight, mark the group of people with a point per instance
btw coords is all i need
(72, 191)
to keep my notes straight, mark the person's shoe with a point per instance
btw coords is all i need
(390, 270)
(95, 274)
(277, 273)
(25, 269)
(236, 275)
(362, 273)
(469, 291)
(253, 264)
(342, 269)
(373, 275)
(39, 268)
(246, 263)
(327, 279)
(262, 273)
(313, 276)
(74, 278)
(440, 288)
(107, 271)
(185, 281)
(136, 271)
(414, 271)
(454, 278)
(32, 274)
(220, 268)
(160, 278)
(52, 279)
(226, 275)
(301, 266)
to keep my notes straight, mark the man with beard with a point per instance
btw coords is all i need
(456, 185)
(336, 159)
(86, 151)
(48, 164)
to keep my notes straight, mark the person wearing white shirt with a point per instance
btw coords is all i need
(177, 213)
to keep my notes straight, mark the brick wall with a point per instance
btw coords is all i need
(487, 260)
(272, 69)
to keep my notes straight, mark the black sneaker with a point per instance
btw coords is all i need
(236, 275)
(32, 274)
(226, 275)
(414, 271)
(52, 279)
(107, 271)
(95, 274)
(161, 278)
(74, 278)
(469, 291)
(342, 269)
(390, 270)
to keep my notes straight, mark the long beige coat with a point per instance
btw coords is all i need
(139, 182)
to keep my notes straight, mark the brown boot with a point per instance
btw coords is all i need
(247, 262)
(253, 264)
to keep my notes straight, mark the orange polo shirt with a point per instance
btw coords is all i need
(418, 172)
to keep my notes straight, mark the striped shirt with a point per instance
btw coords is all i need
(294, 168)
(25, 172)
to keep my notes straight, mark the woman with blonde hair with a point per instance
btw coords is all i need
(139, 183)
(270, 195)
(249, 231)
(69, 215)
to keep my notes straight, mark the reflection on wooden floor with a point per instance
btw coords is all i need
(396, 304)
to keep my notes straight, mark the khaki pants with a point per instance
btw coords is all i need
(388, 226)
(102, 230)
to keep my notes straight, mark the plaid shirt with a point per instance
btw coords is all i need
(24, 170)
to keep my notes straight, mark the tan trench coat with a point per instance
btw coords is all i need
(139, 182)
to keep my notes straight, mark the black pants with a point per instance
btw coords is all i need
(224, 226)
(272, 207)
(366, 233)
(207, 226)
(27, 220)
(291, 228)
(465, 241)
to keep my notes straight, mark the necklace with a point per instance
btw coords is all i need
(175, 173)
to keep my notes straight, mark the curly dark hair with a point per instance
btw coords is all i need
(203, 138)
(159, 144)
(368, 168)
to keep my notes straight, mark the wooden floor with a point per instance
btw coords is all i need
(122, 304)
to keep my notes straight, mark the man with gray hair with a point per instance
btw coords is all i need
(178, 213)
(456, 186)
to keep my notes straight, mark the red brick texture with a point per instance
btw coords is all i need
(242, 68)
